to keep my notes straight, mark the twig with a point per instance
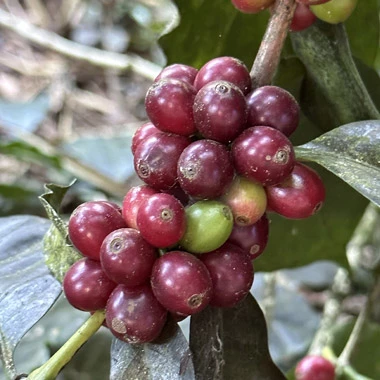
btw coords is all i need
(96, 57)
(331, 311)
(349, 372)
(268, 56)
(54, 365)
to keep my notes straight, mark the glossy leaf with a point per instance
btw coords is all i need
(209, 29)
(24, 277)
(352, 152)
(167, 359)
(232, 343)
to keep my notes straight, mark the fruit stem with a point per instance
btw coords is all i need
(268, 56)
(331, 311)
(51, 368)
(348, 371)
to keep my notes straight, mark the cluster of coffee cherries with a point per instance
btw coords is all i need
(306, 12)
(214, 157)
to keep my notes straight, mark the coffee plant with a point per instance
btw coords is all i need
(258, 150)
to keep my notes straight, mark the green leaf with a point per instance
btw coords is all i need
(59, 256)
(369, 342)
(51, 200)
(209, 29)
(339, 90)
(363, 29)
(352, 152)
(24, 277)
(232, 343)
(111, 157)
(29, 153)
(167, 359)
(59, 253)
(25, 116)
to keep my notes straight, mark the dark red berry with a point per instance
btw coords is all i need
(231, 273)
(161, 220)
(86, 286)
(275, 107)
(132, 201)
(90, 223)
(252, 6)
(246, 199)
(142, 133)
(156, 159)
(303, 18)
(134, 315)
(263, 154)
(252, 239)
(178, 71)
(205, 169)
(313, 367)
(224, 68)
(181, 283)
(169, 105)
(299, 196)
(220, 111)
(126, 257)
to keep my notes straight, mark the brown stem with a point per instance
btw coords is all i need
(269, 53)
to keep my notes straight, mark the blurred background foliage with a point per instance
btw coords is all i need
(62, 118)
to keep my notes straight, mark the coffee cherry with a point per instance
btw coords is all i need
(274, 107)
(301, 195)
(169, 105)
(161, 220)
(181, 283)
(247, 201)
(156, 159)
(209, 224)
(231, 273)
(314, 367)
(134, 315)
(126, 257)
(303, 18)
(132, 202)
(178, 71)
(86, 286)
(228, 69)
(142, 133)
(90, 223)
(263, 154)
(205, 169)
(252, 6)
(220, 111)
(334, 11)
(251, 239)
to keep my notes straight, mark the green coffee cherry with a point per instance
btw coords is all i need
(209, 224)
(334, 11)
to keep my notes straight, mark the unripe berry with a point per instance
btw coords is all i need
(313, 367)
